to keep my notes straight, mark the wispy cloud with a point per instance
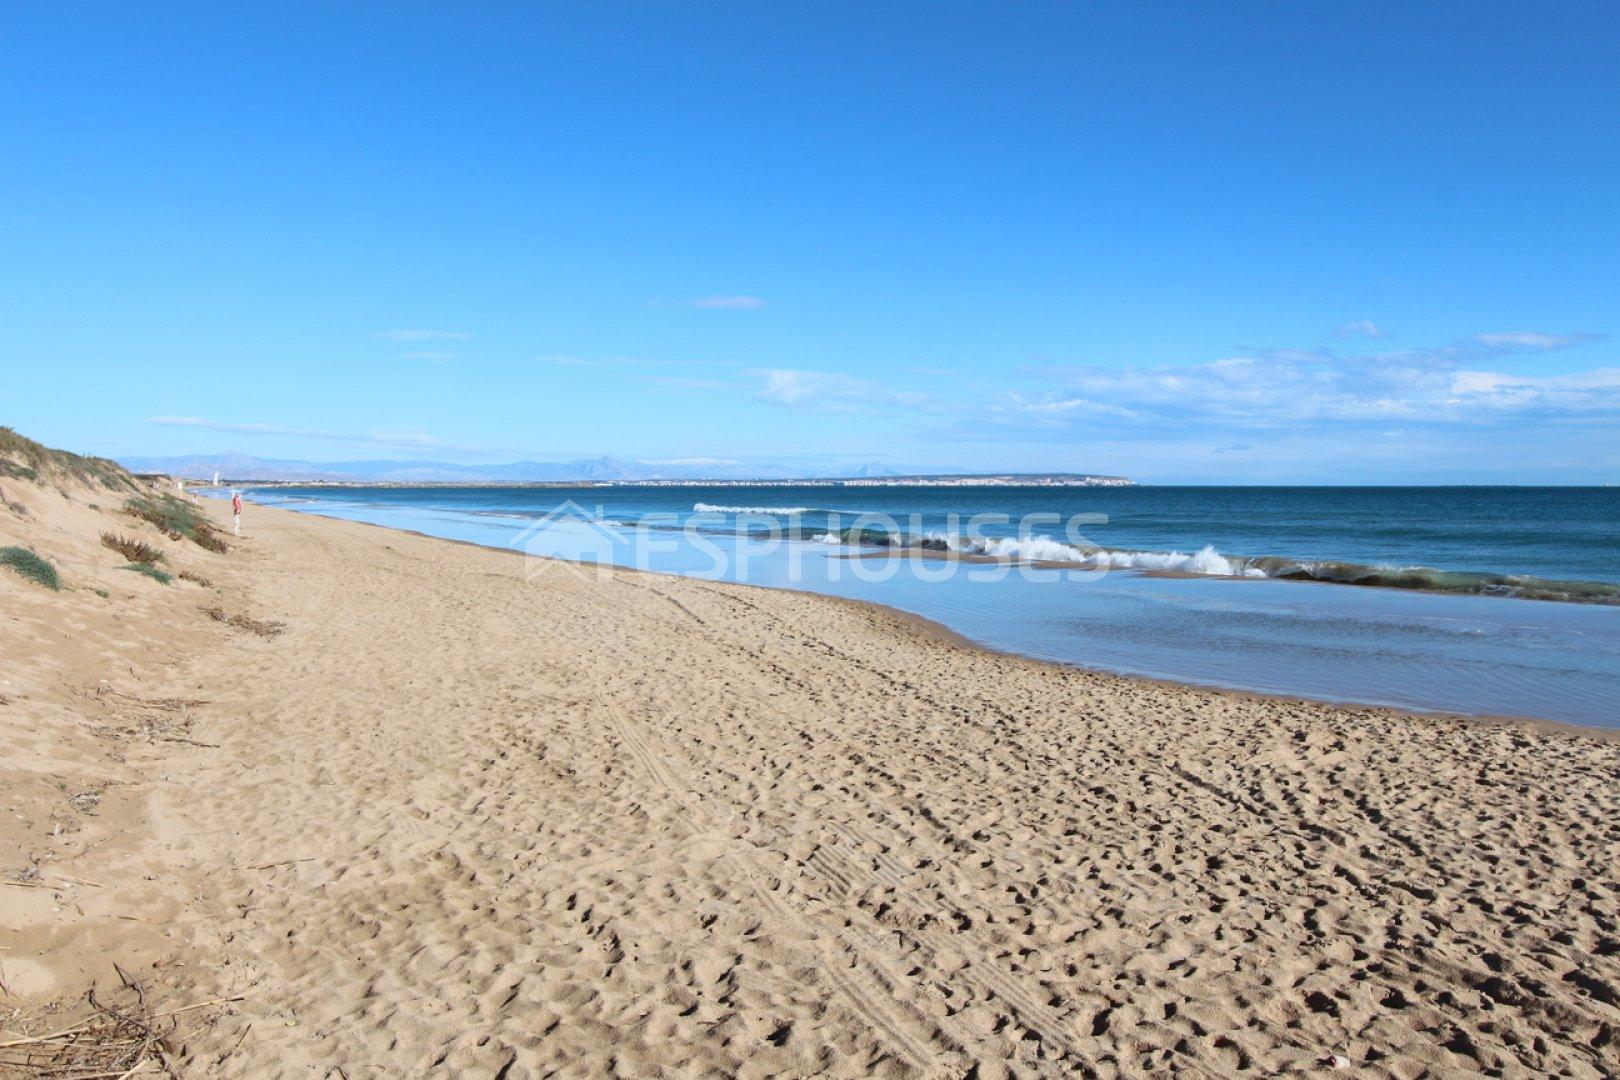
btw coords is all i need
(422, 335)
(790, 386)
(1458, 382)
(1057, 409)
(431, 357)
(729, 303)
(403, 438)
(1531, 341)
(829, 390)
(558, 360)
(1364, 328)
(1582, 391)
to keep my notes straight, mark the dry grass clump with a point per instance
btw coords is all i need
(196, 579)
(241, 622)
(136, 551)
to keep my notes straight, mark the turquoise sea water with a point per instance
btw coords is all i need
(1219, 586)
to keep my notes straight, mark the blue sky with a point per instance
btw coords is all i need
(1206, 243)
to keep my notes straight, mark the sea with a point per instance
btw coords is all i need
(1496, 601)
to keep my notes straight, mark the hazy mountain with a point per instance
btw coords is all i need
(246, 468)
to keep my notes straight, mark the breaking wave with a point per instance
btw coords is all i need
(787, 511)
(1209, 562)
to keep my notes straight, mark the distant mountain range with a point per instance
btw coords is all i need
(242, 467)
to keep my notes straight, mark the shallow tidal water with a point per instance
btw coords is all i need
(1437, 651)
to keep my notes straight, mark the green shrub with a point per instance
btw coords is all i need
(31, 566)
(176, 519)
(150, 571)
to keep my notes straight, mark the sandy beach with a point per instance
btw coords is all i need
(413, 807)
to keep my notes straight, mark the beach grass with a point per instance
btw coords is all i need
(162, 577)
(22, 457)
(31, 566)
(176, 519)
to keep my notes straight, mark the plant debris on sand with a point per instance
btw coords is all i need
(155, 719)
(261, 627)
(121, 1037)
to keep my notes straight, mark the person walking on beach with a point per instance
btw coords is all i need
(236, 513)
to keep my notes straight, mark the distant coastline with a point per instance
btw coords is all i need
(918, 480)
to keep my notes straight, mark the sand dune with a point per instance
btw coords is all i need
(461, 818)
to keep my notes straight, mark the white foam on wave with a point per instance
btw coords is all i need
(1045, 549)
(1022, 548)
(1204, 561)
(711, 508)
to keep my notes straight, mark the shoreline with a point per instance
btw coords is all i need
(1493, 584)
(400, 808)
(945, 634)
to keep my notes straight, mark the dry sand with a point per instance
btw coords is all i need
(458, 820)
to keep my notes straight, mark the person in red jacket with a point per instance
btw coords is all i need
(236, 513)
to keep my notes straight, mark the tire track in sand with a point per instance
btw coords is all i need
(863, 993)
(847, 875)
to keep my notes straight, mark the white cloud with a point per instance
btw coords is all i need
(729, 303)
(422, 335)
(1361, 328)
(1581, 391)
(1286, 387)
